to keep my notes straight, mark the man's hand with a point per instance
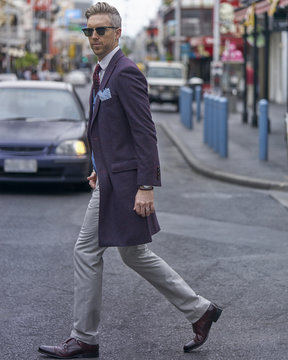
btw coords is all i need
(92, 179)
(144, 202)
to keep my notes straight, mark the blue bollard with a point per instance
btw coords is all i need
(186, 114)
(263, 130)
(212, 121)
(216, 124)
(191, 108)
(198, 91)
(223, 127)
(209, 122)
(205, 123)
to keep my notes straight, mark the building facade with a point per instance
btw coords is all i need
(49, 29)
(265, 29)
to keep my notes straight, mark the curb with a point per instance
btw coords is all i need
(221, 175)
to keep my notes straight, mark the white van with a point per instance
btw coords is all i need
(164, 81)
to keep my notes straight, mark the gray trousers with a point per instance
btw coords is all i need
(88, 264)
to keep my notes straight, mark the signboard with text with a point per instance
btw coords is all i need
(40, 5)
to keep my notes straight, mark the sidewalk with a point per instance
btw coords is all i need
(242, 166)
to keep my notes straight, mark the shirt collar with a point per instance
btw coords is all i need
(106, 60)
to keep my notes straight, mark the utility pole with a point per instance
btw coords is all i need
(48, 33)
(8, 37)
(287, 80)
(216, 66)
(177, 30)
(32, 34)
(255, 66)
(216, 31)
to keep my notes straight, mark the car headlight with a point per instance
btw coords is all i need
(71, 147)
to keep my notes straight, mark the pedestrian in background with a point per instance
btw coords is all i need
(34, 74)
(121, 211)
(27, 74)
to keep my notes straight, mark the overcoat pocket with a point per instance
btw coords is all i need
(125, 165)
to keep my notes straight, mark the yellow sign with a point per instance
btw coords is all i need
(273, 7)
(72, 51)
(249, 17)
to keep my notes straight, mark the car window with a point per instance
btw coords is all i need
(162, 72)
(38, 103)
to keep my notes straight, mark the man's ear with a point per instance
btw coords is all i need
(118, 33)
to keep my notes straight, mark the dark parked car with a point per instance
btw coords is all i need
(42, 133)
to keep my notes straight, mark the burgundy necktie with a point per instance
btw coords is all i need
(96, 80)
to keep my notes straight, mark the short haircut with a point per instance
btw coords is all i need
(104, 8)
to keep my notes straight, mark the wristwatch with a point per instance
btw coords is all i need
(146, 187)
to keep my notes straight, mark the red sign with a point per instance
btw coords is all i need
(234, 3)
(40, 5)
(152, 31)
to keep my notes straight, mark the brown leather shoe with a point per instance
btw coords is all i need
(202, 327)
(70, 349)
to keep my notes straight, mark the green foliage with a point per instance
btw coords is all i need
(126, 50)
(169, 57)
(28, 60)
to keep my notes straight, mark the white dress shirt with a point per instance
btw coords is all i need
(105, 62)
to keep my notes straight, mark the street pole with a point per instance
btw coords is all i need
(177, 30)
(216, 32)
(286, 115)
(216, 66)
(266, 63)
(32, 38)
(287, 76)
(255, 66)
(8, 37)
(245, 54)
(48, 33)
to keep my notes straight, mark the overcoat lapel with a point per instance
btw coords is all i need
(107, 74)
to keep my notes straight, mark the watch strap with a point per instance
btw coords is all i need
(146, 187)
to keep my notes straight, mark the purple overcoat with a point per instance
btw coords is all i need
(122, 135)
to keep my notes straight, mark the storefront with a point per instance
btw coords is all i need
(265, 34)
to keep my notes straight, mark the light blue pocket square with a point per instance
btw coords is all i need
(104, 94)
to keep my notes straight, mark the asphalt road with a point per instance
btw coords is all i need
(228, 242)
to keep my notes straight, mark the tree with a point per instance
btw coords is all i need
(126, 50)
(26, 61)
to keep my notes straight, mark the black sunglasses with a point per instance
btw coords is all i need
(99, 30)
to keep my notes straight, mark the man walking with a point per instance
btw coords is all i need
(121, 211)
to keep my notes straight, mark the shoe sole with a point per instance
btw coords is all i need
(85, 356)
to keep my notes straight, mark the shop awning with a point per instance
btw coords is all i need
(260, 7)
(209, 40)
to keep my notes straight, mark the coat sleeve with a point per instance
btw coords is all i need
(133, 96)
